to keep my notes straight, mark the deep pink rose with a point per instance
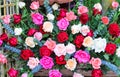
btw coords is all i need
(54, 73)
(13, 73)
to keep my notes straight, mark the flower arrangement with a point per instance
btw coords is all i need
(54, 38)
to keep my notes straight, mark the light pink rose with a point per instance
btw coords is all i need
(6, 19)
(115, 4)
(46, 62)
(24, 75)
(50, 44)
(60, 50)
(3, 59)
(82, 9)
(82, 56)
(63, 24)
(96, 62)
(70, 16)
(33, 62)
(77, 75)
(38, 35)
(1, 42)
(85, 30)
(70, 48)
(34, 5)
(37, 18)
(54, 73)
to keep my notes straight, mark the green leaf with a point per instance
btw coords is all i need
(117, 40)
(45, 36)
(71, 38)
(67, 56)
(106, 56)
(30, 75)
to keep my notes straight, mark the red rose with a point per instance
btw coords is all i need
(96, 12)
(79, 40)
(114, 29)
(13, 41)
(31, 31)
(110, 48)
(62, 37)
(84, 18)
(41, 30)
(60, 60)
(25, 54)
(4, 37)
(97, 73)
(44, 51)
(62, 14)
(90, 33)
(13, 73)
(17, 18)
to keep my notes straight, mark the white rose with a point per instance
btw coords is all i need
(98, 6)
(70, 48)
(18, 31)
(55, 6)
(77, 75)
(21, 4)
(76, 28)
(48, 26)
(99, 45)
(60, 49)
(29, 41)
(50, 16)
(118, 52)
(85, 30)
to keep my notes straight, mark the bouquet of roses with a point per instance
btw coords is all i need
(54, 38)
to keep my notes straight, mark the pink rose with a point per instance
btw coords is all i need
(6, 19)
(96, 62)
(3, 59)
(82, 56)
(70, 16)
(34, 5)
(24, 75)
(115, 4)
(38, 36)
(46, 62)
(54, 73)
(85, 30)
(37, 18)
(1, 42)
(50, 44)
(13, 73)
(105, 20)
(63, 24)
(70, 48)
(82, 9)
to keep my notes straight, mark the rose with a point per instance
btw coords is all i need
(62, 14)
(38, 35)
(1, 42)
(60, 60)
(115, 4)
(4, 37)
(12, 72)
(41, 30)
(82, 56)
(24, 75)
(44, 51)
(110, 48)
(62, 37)
(105, 20)
(18, 31)
(48, 26)
(37, 18)
(70, 48)
(118, 52)
(34, 5)
(82, 9)
(85, 30)
(77, 75)
(46, 62)
(71, 64)
(3, 59)
(70, 16)
(54, 73)
(76, 28)
(13, 41)
(88, 41)
(21, 4)
(50, 44)
(96, 62)
(98, 7)
(29, 41)
(50, 16)
(31, 31)
(25, 54)
(33, 62)
(60, 50)
(78, 40)
(17, 18)
(84, 18)
(91, 34)
(96, 12)
(55, 6)
(6, 19)
(114, 29)
(63, 24)
(97, 73)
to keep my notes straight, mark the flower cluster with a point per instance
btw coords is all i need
(63, 38)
